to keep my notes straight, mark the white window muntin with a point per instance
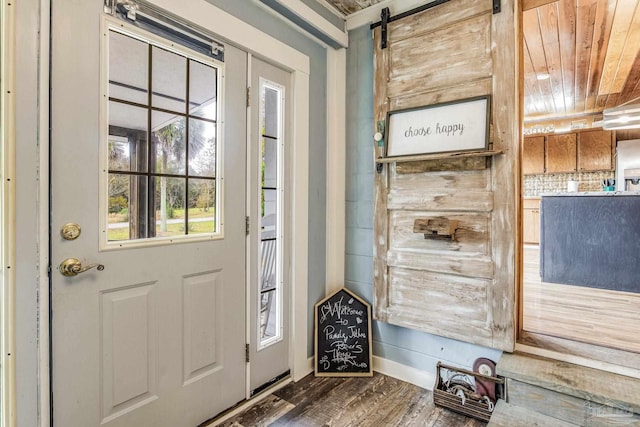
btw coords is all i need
(112, 24)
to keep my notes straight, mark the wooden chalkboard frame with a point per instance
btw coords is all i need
(368, 354)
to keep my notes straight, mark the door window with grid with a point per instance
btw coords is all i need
(163, 141)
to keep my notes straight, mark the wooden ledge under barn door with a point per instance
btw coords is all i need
(439, 156)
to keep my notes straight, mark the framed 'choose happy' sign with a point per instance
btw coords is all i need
(461, 125)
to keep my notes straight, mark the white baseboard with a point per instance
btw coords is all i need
(405, 373)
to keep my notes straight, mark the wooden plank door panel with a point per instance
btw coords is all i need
(459, 285)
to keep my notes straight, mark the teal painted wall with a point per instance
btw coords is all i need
(408, 347)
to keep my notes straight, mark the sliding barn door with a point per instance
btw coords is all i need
(462, 287)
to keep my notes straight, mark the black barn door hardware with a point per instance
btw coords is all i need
(385, 17)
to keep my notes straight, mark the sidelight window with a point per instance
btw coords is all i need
(270, 202)
(163, 113)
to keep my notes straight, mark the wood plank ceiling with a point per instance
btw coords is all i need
(589, 49)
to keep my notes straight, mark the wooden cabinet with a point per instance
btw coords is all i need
(533, 155)
(595, 150)
(588, 150)
(561, 153)
(531, 221)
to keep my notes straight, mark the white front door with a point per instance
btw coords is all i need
(270, 236)
(156, 337)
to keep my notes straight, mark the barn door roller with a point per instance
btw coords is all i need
(385, 17)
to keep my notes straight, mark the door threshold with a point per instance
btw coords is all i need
(247, 403)
(592, 356)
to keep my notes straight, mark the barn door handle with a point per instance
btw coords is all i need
(72, 267)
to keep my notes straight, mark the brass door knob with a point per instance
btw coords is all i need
(72, 267)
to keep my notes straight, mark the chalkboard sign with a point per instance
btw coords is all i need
(343, 336)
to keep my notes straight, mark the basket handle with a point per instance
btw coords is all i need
(465, 371)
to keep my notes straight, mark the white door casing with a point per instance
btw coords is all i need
(157, 338)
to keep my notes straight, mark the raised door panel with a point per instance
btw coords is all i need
(595, 150)
(444, 229)
(561, 153)
(533, 155)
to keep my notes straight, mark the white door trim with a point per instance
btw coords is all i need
(7, 216)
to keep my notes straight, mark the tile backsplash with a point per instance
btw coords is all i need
(533, 185)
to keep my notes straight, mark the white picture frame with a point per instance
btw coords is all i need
(456, 126)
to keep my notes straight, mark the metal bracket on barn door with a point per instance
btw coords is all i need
(386, 18)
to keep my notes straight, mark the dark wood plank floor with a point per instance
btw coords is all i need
(377, 401)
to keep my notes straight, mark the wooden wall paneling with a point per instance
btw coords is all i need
(626, 134)
(548, 16)
(418, 98)
(442, 200)
(599, 51)
(533, 155)
(381, 183)
(443, 262)
(567, 41)
(631, 89)
(585, 18)
(427, 179)
(595, 150)
(535, 49)
(462, 163)
(535, 104)
(460, 287)
(438, 17)
(598, 42)
(409, 72)
(616, 44)
(505, 174)
(438, 322)
(419, 289)
(471, 234)
(561, 153)
(625, 34)
(530, 4)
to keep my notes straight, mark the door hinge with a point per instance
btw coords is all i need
(248, 96)
(246, 353)
(247, 224)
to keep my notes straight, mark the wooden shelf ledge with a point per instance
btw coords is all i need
(439, 156)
